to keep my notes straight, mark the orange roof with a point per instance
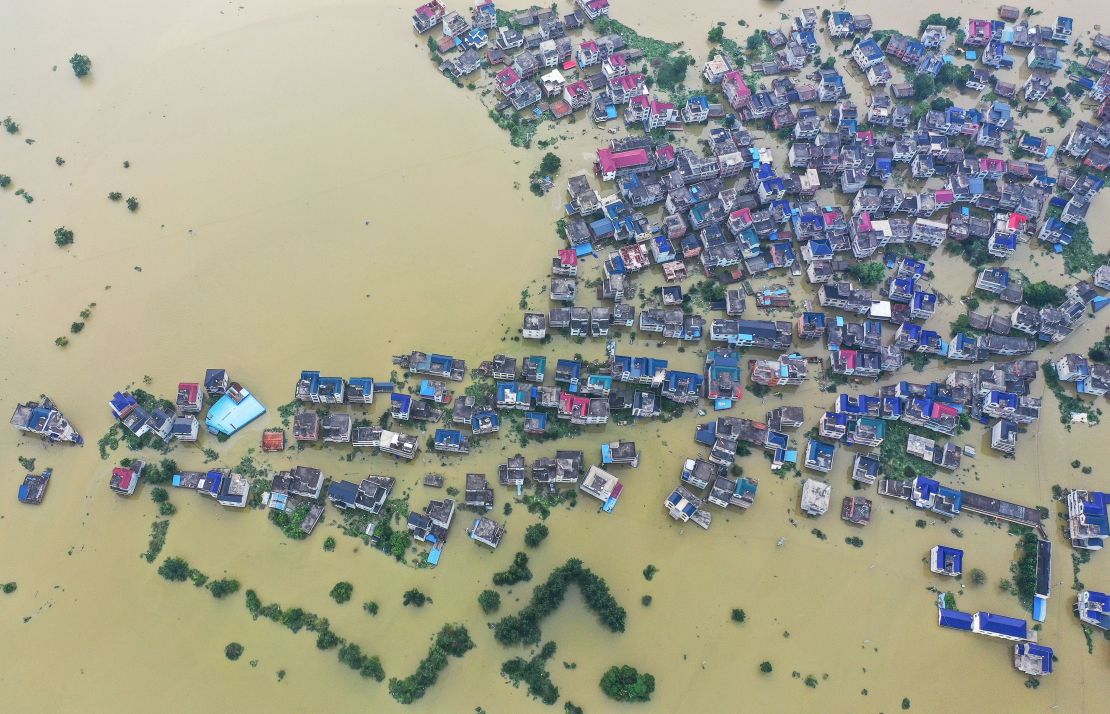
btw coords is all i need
(273, 440)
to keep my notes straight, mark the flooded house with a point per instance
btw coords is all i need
(216, 382)
(432, 525)
(485, 422)
(816, 496)
(233, 411)
(336, 428)
(478, 493)
(451, 441)
(602, 485)
(726, 491)
(785, 418)
(190, 398)
(303, 481)
(33, 489)
(125, 479)
(185, 428)
(434, 365)
(684, 506)
(514, 472)
(306, 426)
(535, 326)
(369, 495)
(43, 419)
(944, 560)
(487, 531)
(1033, 659)
(699, 473)
(866, 468)
(311, 387)
(534, 369)
(1088, 519)
(620, 453)
(856, 510)
(819, 455)
(360, 390)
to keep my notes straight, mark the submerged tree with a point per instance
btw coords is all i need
(81, 64)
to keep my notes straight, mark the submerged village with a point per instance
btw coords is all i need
(773, 208)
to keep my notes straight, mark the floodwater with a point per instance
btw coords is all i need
(314, 195)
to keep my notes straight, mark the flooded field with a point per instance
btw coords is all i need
(314, 195)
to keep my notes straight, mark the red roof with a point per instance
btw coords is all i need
(665, 152)
(946, 196)
(849, 357)
(568, 257)
(576, 87)
(940, 410)
(611, 161)
(629, 81)
(122, 477)
(190, 390)
(1017, 221)
(273, 440)
(588, 45)
(865, 221)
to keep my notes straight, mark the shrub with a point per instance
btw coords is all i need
(535, 534)
(765, 667)
(174, 569)
(645, 600)
(490, 601)
(905, 702)
(625, 684)
(81, 64)
(326, 640)
(329, 544)
(223, 587)
(63, 237)
(650, 571)
(159, 494)
(341, 593)
(550, 164)
(370, 607)
(716, 33)
(414, 597)
(233, 651)
(115, 196)
(5, 181)
(738, 615)
(132, 204)
(10, 588)
(978, 577)
(516, 573)
(166, 509)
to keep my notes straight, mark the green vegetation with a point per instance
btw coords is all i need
(115, 196)
(61, 341)
(524, 627)
(1067, 403)
(489, 601)
(1042, 294)
(223, 587)
(371, 608)
(520, 130)
(765, 667)
(978, 577)
(652, 48)
(159, 494)
(923, 86)
(132, 204)
(868, 274)
(672, 72)
(451, 641)
(81, 64)
(368, 667)
(11, 126)
(234, 650)
(174, 569)
(5, 181)
(550, 164)
(27, 462)
(290, 521)
(905, 702)
(646, 600)
(329, 544)
(535, 534)
(854, 541)
(157, 540)
(1079, 255)
(738, 615)
(415, 598)
(897, 464)
(649, 572)
(716, 33)
(1024, 569)
(516, 573)
(1100, 351)
(534, 673)
(10, 587)
(341, 593)
(625, 684)
(950, 601)
(951, 23)
(63, 237)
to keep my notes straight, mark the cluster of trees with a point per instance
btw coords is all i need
(451, 641)
(415, 598)
(489, 601)
(234, 650)
(672, 71)
(63, 237)
(868, 274)
(535, 534)
(1042, 294)
(223, 587)
(515, 573)
(81, 64)
(297, 619)
(341, 593)
(1025, 569)
(626, 684)
(369, 667)
(534, 673)
(524, 628)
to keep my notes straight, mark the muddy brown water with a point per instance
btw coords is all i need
(314, 195)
